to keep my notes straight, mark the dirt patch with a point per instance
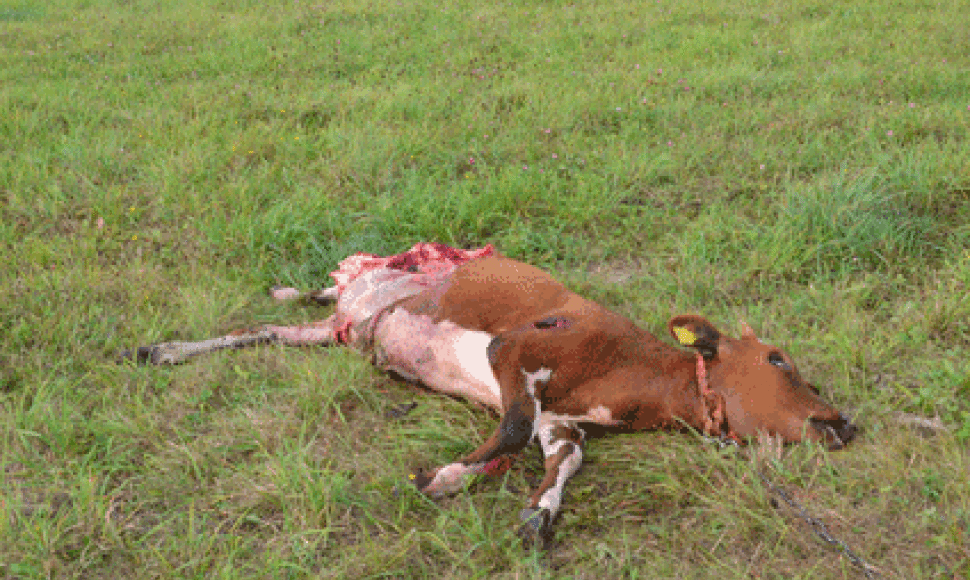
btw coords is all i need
(618, 272)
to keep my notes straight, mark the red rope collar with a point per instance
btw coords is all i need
(712, 405)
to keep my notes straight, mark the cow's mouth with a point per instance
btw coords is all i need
(835, 432)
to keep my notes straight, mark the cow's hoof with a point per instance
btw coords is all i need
(167, 353)
(142, 355)
(536, 528)
(420, 479)
(324, 296)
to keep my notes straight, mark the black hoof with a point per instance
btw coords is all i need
(142, 355)
(322, 297)
(536, 528)
(420, 479)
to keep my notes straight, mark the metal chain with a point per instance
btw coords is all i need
(819, 527)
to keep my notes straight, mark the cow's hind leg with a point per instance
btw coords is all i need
(562, 447)
(316, 333)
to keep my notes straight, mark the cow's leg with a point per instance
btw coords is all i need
(319, 333)
(562, 447)
(493, 457)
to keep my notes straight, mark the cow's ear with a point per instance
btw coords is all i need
(696, 332)
(747, 332)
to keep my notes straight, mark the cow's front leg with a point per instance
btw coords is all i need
(316, 333)
(562, 447)
(493, 457)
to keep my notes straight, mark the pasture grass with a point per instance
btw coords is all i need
(803, 166)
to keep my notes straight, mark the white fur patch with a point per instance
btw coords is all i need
(599, 414)
(552, 497)
(544, 428)
(543, 375)
(470, 349)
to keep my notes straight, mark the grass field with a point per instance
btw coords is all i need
(802, 165)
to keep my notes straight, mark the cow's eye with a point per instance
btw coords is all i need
(779, 361)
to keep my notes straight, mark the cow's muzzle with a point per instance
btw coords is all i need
(835, 432)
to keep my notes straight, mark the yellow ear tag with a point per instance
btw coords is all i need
(685, 336)
(412, 477)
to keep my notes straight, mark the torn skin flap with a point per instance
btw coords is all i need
(423, 257)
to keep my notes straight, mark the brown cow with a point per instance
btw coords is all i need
(488, 328)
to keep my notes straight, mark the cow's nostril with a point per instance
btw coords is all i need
(848, 430)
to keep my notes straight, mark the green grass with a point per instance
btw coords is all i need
(804, 166)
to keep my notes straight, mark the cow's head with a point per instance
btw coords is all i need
(760, 386)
